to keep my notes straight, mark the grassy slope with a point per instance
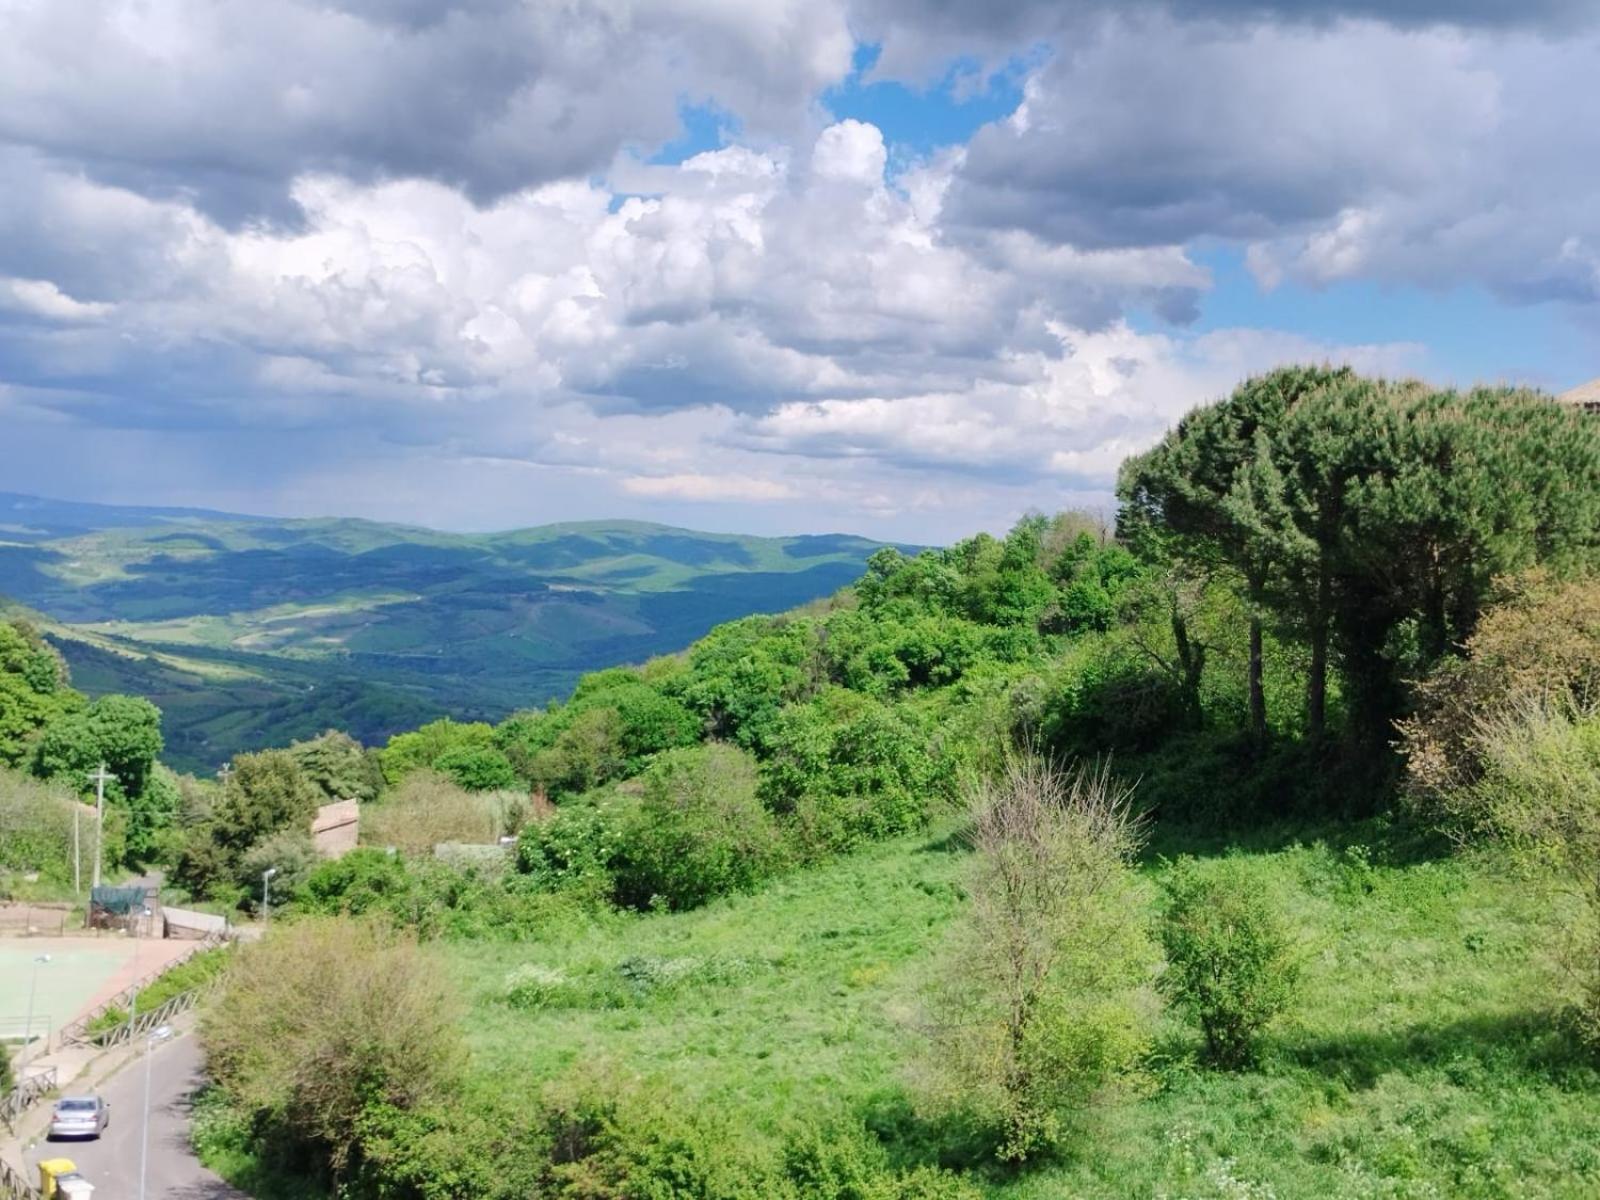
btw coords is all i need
(250, 632)
(1421, 1062)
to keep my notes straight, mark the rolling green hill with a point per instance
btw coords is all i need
(250, 631)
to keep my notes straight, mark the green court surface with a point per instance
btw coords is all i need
(78, 970)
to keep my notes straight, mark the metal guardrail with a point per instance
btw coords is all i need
(27, 1093)
(14, 1186)
(76, 1033)
(144, 1022)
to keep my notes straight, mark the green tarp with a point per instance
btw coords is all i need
(118, 901)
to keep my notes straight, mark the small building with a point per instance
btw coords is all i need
(336, 828)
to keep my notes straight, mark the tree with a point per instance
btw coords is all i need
(1037, 1013)
(341, 767)
(1369, 514)
(124, 733)
(265, 792)
(33, 690)
(407, 752)
(1207, 481)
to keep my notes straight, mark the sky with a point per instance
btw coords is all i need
(906, 268)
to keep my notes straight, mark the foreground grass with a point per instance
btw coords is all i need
(1423, 1060)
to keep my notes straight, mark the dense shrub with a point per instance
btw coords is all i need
(290, 853)
(1539, 644)
(846, 768)
(427, 809)
(477, 768)
(1538, 787)
(576, 847)
(840, 1162)
(327, 1025)
(586, 753)
(697, 831)
(36, 829)
(742, 673)
(1230, 963)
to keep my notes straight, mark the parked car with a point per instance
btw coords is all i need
(79, 1117)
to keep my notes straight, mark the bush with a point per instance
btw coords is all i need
(36, 829)
(427, 809)
(841, 1162)
(576, 847)
(850, 769)
(1230, 964)
(327, 1026)
(613, 1138)
(1037, 1012)
(1538, 788)
(1539, 644)
(698, 831)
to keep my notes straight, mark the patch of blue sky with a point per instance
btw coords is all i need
(1469, 335)
(704, 127)
(916, 121)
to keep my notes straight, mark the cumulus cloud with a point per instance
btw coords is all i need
(1334, 151)
(229, 101)
(422, 260)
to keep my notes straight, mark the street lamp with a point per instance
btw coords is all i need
(266, 893)
(33, 986)
(156, 1035)
(133, 1004)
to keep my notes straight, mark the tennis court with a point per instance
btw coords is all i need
(81, 973)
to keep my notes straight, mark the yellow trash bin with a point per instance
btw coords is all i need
(51, 1169)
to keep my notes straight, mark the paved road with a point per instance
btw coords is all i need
(112, 1162)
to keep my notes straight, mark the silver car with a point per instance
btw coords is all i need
(79, 1117)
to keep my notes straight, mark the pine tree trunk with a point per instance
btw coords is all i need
(1258, 694)
(1317, 680)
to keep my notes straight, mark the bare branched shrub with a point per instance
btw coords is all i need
(327, 1022)
(1039, 1011)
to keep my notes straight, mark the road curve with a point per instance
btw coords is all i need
(111, 1163)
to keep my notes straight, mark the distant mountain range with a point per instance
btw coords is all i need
(251, 631)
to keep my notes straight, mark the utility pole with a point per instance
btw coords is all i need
(100, 777)
(77, 853)
(225, 770)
